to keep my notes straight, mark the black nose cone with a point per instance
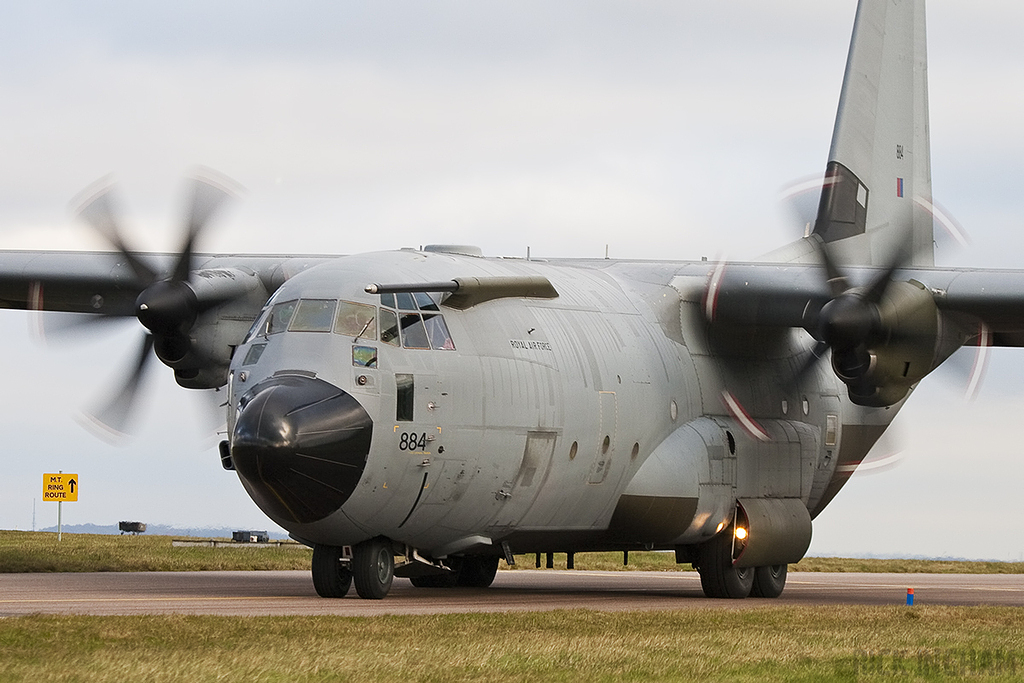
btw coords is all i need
(300, 444)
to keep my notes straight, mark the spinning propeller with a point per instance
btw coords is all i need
(883, 333)
(168, 303)
(859, 322)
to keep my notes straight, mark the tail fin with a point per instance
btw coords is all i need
(878, 188)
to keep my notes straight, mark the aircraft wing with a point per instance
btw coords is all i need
(105, 283)
(792, 295)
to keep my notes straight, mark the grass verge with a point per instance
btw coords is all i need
(656, 561)
(833, 643)
(36, 551)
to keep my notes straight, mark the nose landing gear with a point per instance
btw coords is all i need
(332, 574)
(371, 568)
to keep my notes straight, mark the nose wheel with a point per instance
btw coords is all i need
(373, 568)
(331, 576)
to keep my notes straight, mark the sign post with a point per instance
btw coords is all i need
(60, 487)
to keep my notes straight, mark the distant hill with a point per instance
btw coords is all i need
(162, 530)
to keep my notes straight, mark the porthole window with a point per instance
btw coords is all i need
(606, 444)
(572, 450)
(731, 441)
(635, 452)
(673, 410)
(806, 405)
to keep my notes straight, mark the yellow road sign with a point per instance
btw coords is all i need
(60, 487)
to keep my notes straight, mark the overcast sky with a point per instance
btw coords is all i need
(660, 129)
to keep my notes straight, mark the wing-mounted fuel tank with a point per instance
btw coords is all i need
(687, 490)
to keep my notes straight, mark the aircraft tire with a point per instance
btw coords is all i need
(718, 577)
(478, 571)
(331, 578)
(769, 581)
(373, 568)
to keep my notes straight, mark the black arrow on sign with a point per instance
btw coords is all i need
(71, 483)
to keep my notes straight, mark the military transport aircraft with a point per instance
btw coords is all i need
(424, 413)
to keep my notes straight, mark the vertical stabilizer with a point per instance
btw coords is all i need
(877, 193)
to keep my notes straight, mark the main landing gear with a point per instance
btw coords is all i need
(371, 568)
(721, 579)
(473, 571)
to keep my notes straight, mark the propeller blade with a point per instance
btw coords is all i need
(800, 199)
(99, 212)
(209, 407)
(59, 326)
(207, 197)
(837, 282)
(965, 369)
(818, 352)
(900, 257)
(114, 417)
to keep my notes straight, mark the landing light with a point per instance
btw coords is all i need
(741, 533)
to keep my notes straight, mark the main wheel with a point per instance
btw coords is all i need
(331, 577)
(769, 581)
(718, 576)
(478, 571)
(373, 568)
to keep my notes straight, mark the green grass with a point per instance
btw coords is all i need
(655, 561)
(833, 643)
(28, 551)
(838, 564)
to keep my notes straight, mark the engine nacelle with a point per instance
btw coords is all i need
(882, 374)
(201, 358)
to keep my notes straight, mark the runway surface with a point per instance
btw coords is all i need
(291, 593)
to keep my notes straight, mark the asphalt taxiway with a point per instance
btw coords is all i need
(291, 593)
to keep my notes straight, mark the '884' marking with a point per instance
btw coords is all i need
(411, 441)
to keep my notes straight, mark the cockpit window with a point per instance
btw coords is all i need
(358, 321)
(425, 302)
(405, 301)
(418, 331)
(280, 316)
(414, 336)
(389, 327)
(437, 332)
(258, 327)
(313, 315)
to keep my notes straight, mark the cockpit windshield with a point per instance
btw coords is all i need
(407, 320)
